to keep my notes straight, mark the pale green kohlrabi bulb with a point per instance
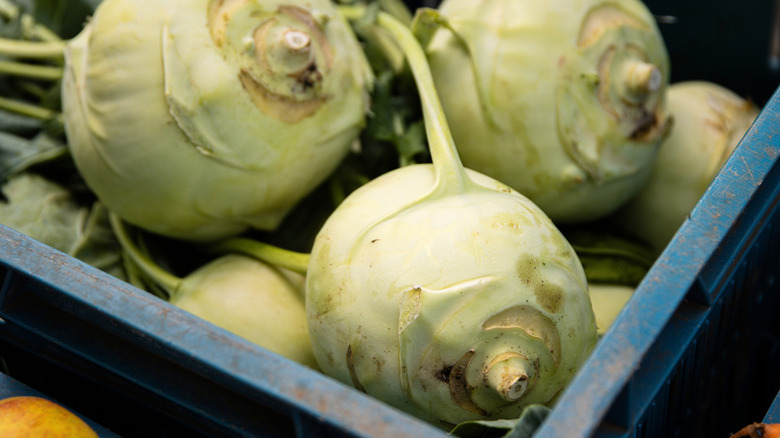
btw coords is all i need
(462, 308)
(251, 299)
(709, 122)
(442, 291)
(563, 100)
(197, 119)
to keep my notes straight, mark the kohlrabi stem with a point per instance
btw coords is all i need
(273, 255)
(34, 30)
(28, 109)
(450, 174)
(31, 71)
(32, 49)
(397, 9)
(8, 10)
(165, 279)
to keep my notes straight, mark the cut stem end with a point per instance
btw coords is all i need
(509, 378)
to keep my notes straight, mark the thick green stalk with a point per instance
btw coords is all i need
(450, 174)
(31, 71)
(165, 279)
(32, 49)
(273, 255)
(36, 31)
(30, 29)
(8, 10)
(28, 109)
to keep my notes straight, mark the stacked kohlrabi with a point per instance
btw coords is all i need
(421, 205)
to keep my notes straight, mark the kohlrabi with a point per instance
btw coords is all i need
(562, 100)
(197, 119)
(258, 301)
(709, 122)
(442, 291)
(608, 301)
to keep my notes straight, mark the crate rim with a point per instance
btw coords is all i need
(218, 354)
(588, 397)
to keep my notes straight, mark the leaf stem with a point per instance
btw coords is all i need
(31, 71)
(8, 10)
(165, 279)
(273, 255)
(36, 31)
(450, 174)
(32, 49)
(29, 109)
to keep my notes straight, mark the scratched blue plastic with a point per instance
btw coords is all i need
(773, 414)
(203, 377)
(717, 280)
(666, 354)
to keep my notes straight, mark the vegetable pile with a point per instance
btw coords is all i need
(564, 100)
(287, 171)
(198, 119)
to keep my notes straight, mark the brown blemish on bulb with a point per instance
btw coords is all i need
(550, 296)
(460, 391)
(275, 105)
(645, 126)
(444, 373)
(379, 363)
(352, 372)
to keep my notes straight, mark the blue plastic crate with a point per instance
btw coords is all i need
(117, 354)
(674, 356)
(773, 414)
(688, 352)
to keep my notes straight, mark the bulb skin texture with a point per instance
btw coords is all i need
(253, 300)
(709, 122)
(562, 100)
(461, 307)
(198, 119)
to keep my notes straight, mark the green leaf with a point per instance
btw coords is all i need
(411, 144)
(395, 129)
(46, 212)
(608, 257)
(523, 427)
(17, 154)
(14, 123)
(64, 17)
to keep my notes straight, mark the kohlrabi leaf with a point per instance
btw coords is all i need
(18, 124)
(609, 257)
(17, 154)
(394, 129)
(65, 17)
(523, 427)
(411, 144)
(45, 211)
